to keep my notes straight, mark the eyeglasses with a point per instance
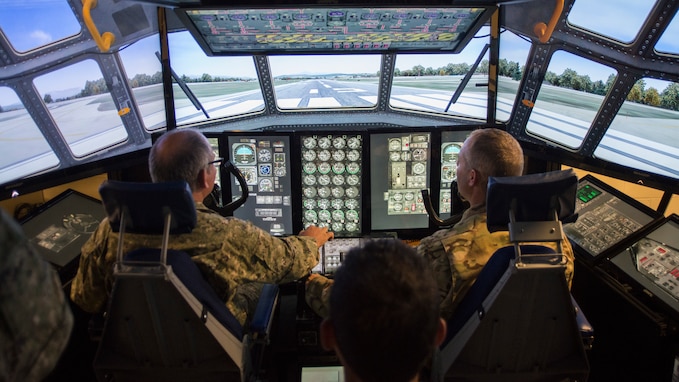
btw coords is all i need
(217, 162)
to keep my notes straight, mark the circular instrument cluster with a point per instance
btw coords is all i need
(331, 182)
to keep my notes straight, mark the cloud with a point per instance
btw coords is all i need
(41, 37)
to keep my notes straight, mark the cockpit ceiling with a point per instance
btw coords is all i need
(228, 31)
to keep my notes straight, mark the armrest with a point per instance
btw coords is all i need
(586, 329)
(261, 322)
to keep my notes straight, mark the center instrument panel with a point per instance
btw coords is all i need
(355, 183)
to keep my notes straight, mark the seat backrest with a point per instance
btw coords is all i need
(517, 321)
(164, 322)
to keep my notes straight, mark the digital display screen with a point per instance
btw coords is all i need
(265, 164)
(62, 225)
(586, 193)
(399, 167)
(332, 182)
(451, 144)
(337, 29)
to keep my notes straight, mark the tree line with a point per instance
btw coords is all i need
(668, 98)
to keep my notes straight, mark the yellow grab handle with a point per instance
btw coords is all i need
(544, 31)
(103, 41)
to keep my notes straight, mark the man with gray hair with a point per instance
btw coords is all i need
(231, 253)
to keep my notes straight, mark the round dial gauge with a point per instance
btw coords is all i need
(450, 152)
(394, 156)
(324, 215)
(338, 180)
(398, 206)
(309, 192)
(309, 204)
(324, 192)
(337, 204)
(309, 155)
(351, 215)
(337, 226)
(264, 155)
(324, 168)
(419, 168)
(244, 154)
(394, 144)
(351, 204)
(352, 227)
(324, 204)
(279, 170)
(338, 167)
(448, 172)
(309, 167)
(339, 143)
(409, 196)
(352, 180)
(354, 143)
(310, 215)
(352, 192)
(338, 155)
(419, 154)
(265, 185)
(324, 155)
(309, 180)
(398, 196)
(309, 142)
(324, 180)
(338, 215)
(353, 155)
(324, 143)
(353, 168)
(337, 192)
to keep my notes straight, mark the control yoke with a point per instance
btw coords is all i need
(457, 207)
(227, 210)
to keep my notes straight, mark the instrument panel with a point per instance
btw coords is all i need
(332, 182)
(264, 161)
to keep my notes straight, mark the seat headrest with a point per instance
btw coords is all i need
(145, 206)
(534, 197)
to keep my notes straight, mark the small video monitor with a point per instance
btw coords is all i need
(264, 161)
(399, 167)
(60, 227)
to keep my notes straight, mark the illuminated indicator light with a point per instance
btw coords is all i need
(528, 103)
(123, 111)
(661, 250)
(643, 259)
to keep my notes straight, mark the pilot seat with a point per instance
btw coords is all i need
(518, 321)
(164, 322)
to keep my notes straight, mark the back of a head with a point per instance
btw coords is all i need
(179, 155)
(384, 310)
(495, 152)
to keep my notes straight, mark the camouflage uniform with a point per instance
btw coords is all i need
(456, 255)
(234, 256)
(35, 320)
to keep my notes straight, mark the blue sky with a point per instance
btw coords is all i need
(31, 23)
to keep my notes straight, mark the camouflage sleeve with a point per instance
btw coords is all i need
(250, 254)
(89, 289)
(35, 320)
(317, 294)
